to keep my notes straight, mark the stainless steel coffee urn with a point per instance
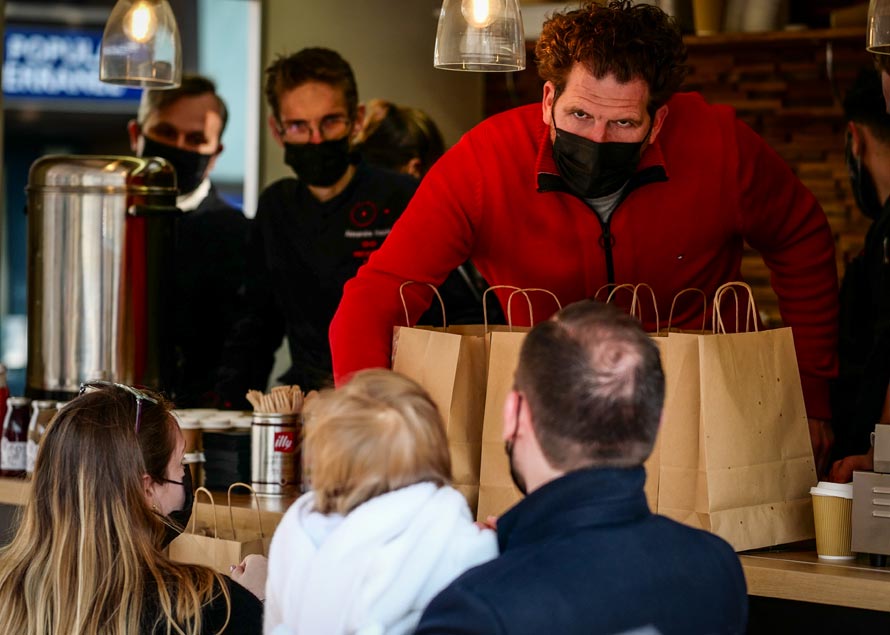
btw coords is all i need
(100, 240)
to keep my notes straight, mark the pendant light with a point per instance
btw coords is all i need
(480, 35)
(878, 38)
(140, 46)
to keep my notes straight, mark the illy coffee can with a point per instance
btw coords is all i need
(275, 453)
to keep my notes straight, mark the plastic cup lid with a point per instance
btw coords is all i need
(216, 423)
(186, 422)
(840, 490)
(198, 413)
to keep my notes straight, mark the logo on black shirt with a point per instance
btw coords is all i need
(363, 214)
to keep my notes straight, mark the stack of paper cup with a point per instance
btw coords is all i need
(832, 512)
(191, 432)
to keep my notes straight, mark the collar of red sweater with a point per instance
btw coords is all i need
(652, 166)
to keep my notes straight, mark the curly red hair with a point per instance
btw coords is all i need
(627, 41)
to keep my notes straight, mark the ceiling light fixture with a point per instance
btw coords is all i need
(480, 35)
(878, 38)
(140, 45)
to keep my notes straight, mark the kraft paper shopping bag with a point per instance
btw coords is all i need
(735, 452)
(497, 493)
(450, 363)
(214, 549)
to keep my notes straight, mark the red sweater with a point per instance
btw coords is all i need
(710, 184)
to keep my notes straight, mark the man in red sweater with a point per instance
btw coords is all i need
(617, 178)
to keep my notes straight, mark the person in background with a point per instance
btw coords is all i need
(311, 233)
(184, 125)
(861, 390)
(381, 531)
(88, 554)
(407, 140)
(615, 178)
(582, 553)
(399, 138)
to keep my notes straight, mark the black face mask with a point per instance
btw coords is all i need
(592, 169)
(320, 164)
(180, 517)
(862, 184)
(190, 166)
(518, 479)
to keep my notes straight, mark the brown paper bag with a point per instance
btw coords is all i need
(653, 462)
(450, 363)
(497, 493)
(735, 452)
(217, 550)
(248, 528)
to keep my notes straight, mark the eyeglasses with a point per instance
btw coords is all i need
(140, 396)
(330, 127)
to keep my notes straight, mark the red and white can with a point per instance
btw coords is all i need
(275, 453)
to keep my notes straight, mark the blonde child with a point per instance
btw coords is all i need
(381, 532)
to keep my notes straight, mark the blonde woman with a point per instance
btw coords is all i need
(87, 558)
(381, 532)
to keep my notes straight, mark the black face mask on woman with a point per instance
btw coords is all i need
(862, 184)
(320, 164)
(189, 166)
(593, 169)
(180, 517)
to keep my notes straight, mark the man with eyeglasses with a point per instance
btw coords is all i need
(311, 233)
(184, 125)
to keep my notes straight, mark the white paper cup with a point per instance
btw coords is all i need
(832, 513)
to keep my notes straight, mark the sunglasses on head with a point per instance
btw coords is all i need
(138, 394)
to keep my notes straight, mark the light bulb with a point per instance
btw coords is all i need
(481, 13)
(141, 22)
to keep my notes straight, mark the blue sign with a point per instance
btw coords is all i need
(48, 63)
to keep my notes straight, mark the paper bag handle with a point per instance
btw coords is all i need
(485, 301)
(405, 305)
(596, 296)
(635, 303)
(615, 289)
(525, 292)
(194, 520)
(635, 309)
(704, 311)
(750, 311)
(256, 502)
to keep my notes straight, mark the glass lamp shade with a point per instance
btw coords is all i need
(878, 38)
(140, 46)
(480, 35)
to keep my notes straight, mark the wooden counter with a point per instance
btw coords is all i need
(801, 576)
(792, 575)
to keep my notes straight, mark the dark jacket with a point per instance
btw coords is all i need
(301, 251)
(244, 611)
(208, 293)
(584, 555)
(864, 342)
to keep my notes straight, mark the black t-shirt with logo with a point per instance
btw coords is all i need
(301, 252)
